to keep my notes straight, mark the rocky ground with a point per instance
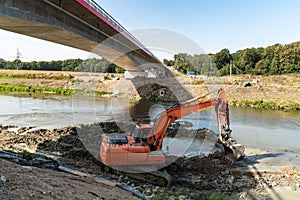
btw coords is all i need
(200, 178)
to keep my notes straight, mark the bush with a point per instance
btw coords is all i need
(271, 105)
(107, 78)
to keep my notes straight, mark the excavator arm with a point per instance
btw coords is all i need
(177, 111)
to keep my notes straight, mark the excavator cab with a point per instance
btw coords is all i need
(140, 133)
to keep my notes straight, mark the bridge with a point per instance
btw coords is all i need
(84, 25)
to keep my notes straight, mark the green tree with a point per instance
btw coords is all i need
(181, 63)
(248, 59)
(222, 58)
(168, 62)
(2, 63)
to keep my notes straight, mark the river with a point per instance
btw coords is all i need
(251, 127)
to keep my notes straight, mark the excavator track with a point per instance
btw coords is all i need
(162, 178)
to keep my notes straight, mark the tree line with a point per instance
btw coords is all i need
(79, 65)
(272, 60)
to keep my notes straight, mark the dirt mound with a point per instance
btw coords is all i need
(65, 144)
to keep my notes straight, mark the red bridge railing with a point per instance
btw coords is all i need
(116, 24)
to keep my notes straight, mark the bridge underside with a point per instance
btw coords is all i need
(64, 37)
(69, 23)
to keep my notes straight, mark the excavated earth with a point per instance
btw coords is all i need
(199, 178)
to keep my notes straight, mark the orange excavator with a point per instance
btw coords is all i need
(145, 146)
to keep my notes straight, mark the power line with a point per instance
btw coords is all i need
(18, 55)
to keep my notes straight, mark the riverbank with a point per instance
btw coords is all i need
(44, 83)
(267, 92)
(261, 174)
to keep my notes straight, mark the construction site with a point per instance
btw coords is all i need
(56, 164)
(136, 125)
(198, 149)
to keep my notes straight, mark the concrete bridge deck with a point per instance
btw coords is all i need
(76, 24)
(84, 25)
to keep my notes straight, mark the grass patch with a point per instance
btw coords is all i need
(197, 82)
(51, 76)
(6, 88)
(270, 105)
(106, 78)
(223, 196)
(102, 93)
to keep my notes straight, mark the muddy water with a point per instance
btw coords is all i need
(266, 129)
(279, 130)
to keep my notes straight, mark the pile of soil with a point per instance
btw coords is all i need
(200, 177)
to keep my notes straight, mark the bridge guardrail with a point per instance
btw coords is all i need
(105, 14)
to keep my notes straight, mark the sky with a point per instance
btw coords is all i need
(212, 24)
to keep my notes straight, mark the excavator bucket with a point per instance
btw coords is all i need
(233, 151)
